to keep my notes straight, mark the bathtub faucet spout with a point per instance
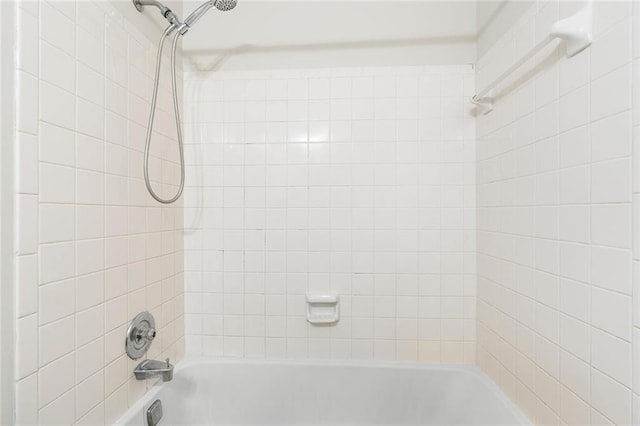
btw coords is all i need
(150, 368)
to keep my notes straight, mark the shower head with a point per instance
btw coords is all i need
(222, 5)
(226, 5)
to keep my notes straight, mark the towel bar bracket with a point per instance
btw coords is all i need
(575, 30)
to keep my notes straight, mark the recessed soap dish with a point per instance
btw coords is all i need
(323, 309)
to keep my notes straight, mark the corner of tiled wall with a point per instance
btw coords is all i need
(92, 249)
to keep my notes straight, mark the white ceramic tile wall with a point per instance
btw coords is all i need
(359, 182)
(92, 248)
(555, 222)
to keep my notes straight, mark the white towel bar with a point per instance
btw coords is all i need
(575, 31)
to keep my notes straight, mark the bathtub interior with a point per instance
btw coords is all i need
(247, 393)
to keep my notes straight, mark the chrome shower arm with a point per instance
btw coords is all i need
(139, 4)
(164, 10)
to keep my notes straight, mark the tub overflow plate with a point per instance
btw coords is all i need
(154, 413)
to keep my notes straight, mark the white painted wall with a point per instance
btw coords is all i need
(308, 34)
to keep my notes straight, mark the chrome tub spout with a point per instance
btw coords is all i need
(151, 368)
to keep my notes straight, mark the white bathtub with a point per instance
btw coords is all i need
(226, 392)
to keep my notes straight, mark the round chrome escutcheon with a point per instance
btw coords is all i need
(140, 335)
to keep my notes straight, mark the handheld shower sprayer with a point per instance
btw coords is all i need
(221, 5)
(180, 29)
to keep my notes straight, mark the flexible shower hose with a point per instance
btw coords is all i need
(176, 109)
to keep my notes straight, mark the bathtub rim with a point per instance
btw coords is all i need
(140, 406)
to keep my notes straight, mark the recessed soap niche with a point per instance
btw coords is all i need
(323, 308)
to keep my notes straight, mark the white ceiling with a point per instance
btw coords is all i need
(283, 34)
